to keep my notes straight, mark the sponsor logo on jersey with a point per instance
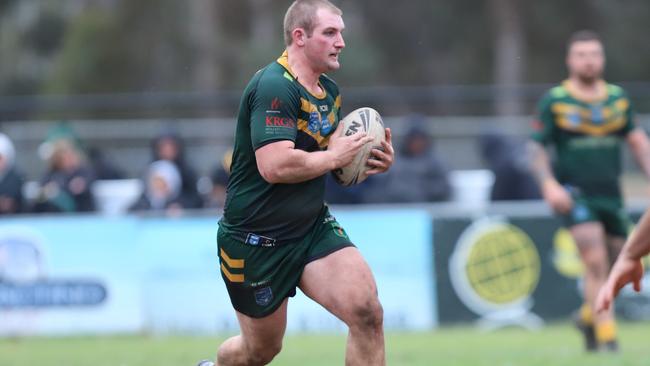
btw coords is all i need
(276, 104)
(574, 118)
(326, 127)
(323, 108)
(314, 122)
(597, 115)
(272, 121)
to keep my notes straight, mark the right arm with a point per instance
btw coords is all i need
(552, 191)
(280, 162)
(628, 267)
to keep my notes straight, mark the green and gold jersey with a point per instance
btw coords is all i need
(274, 107)
(587, 136)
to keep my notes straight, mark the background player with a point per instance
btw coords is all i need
(586, 120)
(276, 233)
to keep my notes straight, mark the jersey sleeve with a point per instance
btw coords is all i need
(630, 122)
(274, 111)
(544, 124)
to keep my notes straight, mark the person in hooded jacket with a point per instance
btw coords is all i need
(169, 146)
(417, 175)
(162, 189)
(507, 159)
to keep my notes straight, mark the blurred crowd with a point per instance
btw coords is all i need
(170, 184)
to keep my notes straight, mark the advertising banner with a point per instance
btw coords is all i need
(94, 274)
(500, 271)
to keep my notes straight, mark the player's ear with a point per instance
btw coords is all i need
(299, 36)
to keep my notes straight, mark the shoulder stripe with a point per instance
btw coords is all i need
(558, 92)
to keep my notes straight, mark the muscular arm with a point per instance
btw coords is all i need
(556, 196)
(540, 163)
(640, 146)
(281, 162)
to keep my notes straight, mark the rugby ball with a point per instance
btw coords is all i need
(366, 120)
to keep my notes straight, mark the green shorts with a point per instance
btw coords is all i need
(259, 277)
(607, 210)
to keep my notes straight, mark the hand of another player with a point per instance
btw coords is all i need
(625, 270)
(557, 197)
(381, 160)
(344, 148)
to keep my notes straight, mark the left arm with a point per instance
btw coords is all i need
(381, 161)
(640, 146)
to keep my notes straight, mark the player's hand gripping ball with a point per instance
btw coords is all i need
(366, 120)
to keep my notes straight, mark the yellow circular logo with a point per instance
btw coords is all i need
(495, 265)
(503, 265)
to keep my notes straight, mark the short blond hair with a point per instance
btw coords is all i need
(301, 14)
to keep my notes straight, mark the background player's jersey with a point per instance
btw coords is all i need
(274, 107)
(587, 136)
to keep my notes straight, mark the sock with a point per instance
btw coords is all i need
(606, 331)
(586, 315)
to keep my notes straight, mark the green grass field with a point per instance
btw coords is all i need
(553, 345)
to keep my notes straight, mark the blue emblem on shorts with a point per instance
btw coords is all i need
(314, 122)
(580, 212)
(253, 239)
(263, 296)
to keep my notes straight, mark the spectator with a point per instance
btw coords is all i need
(169, 146)
(11, 181)
(66, 185)
(62, 130)
(355, 194)
(162, 189)
(508, 161)
(216, 196)
(417, 174)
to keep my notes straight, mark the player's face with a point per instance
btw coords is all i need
(326, 41)
(586, 60)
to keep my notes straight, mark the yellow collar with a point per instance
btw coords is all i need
(284, 61)
(580, 96)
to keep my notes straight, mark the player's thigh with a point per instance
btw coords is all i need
(342, 282)
(591, 241)
(264, 333)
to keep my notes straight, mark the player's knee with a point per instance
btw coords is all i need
(263, 354)
(596, 263)
(233, 352)
(368, 314)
